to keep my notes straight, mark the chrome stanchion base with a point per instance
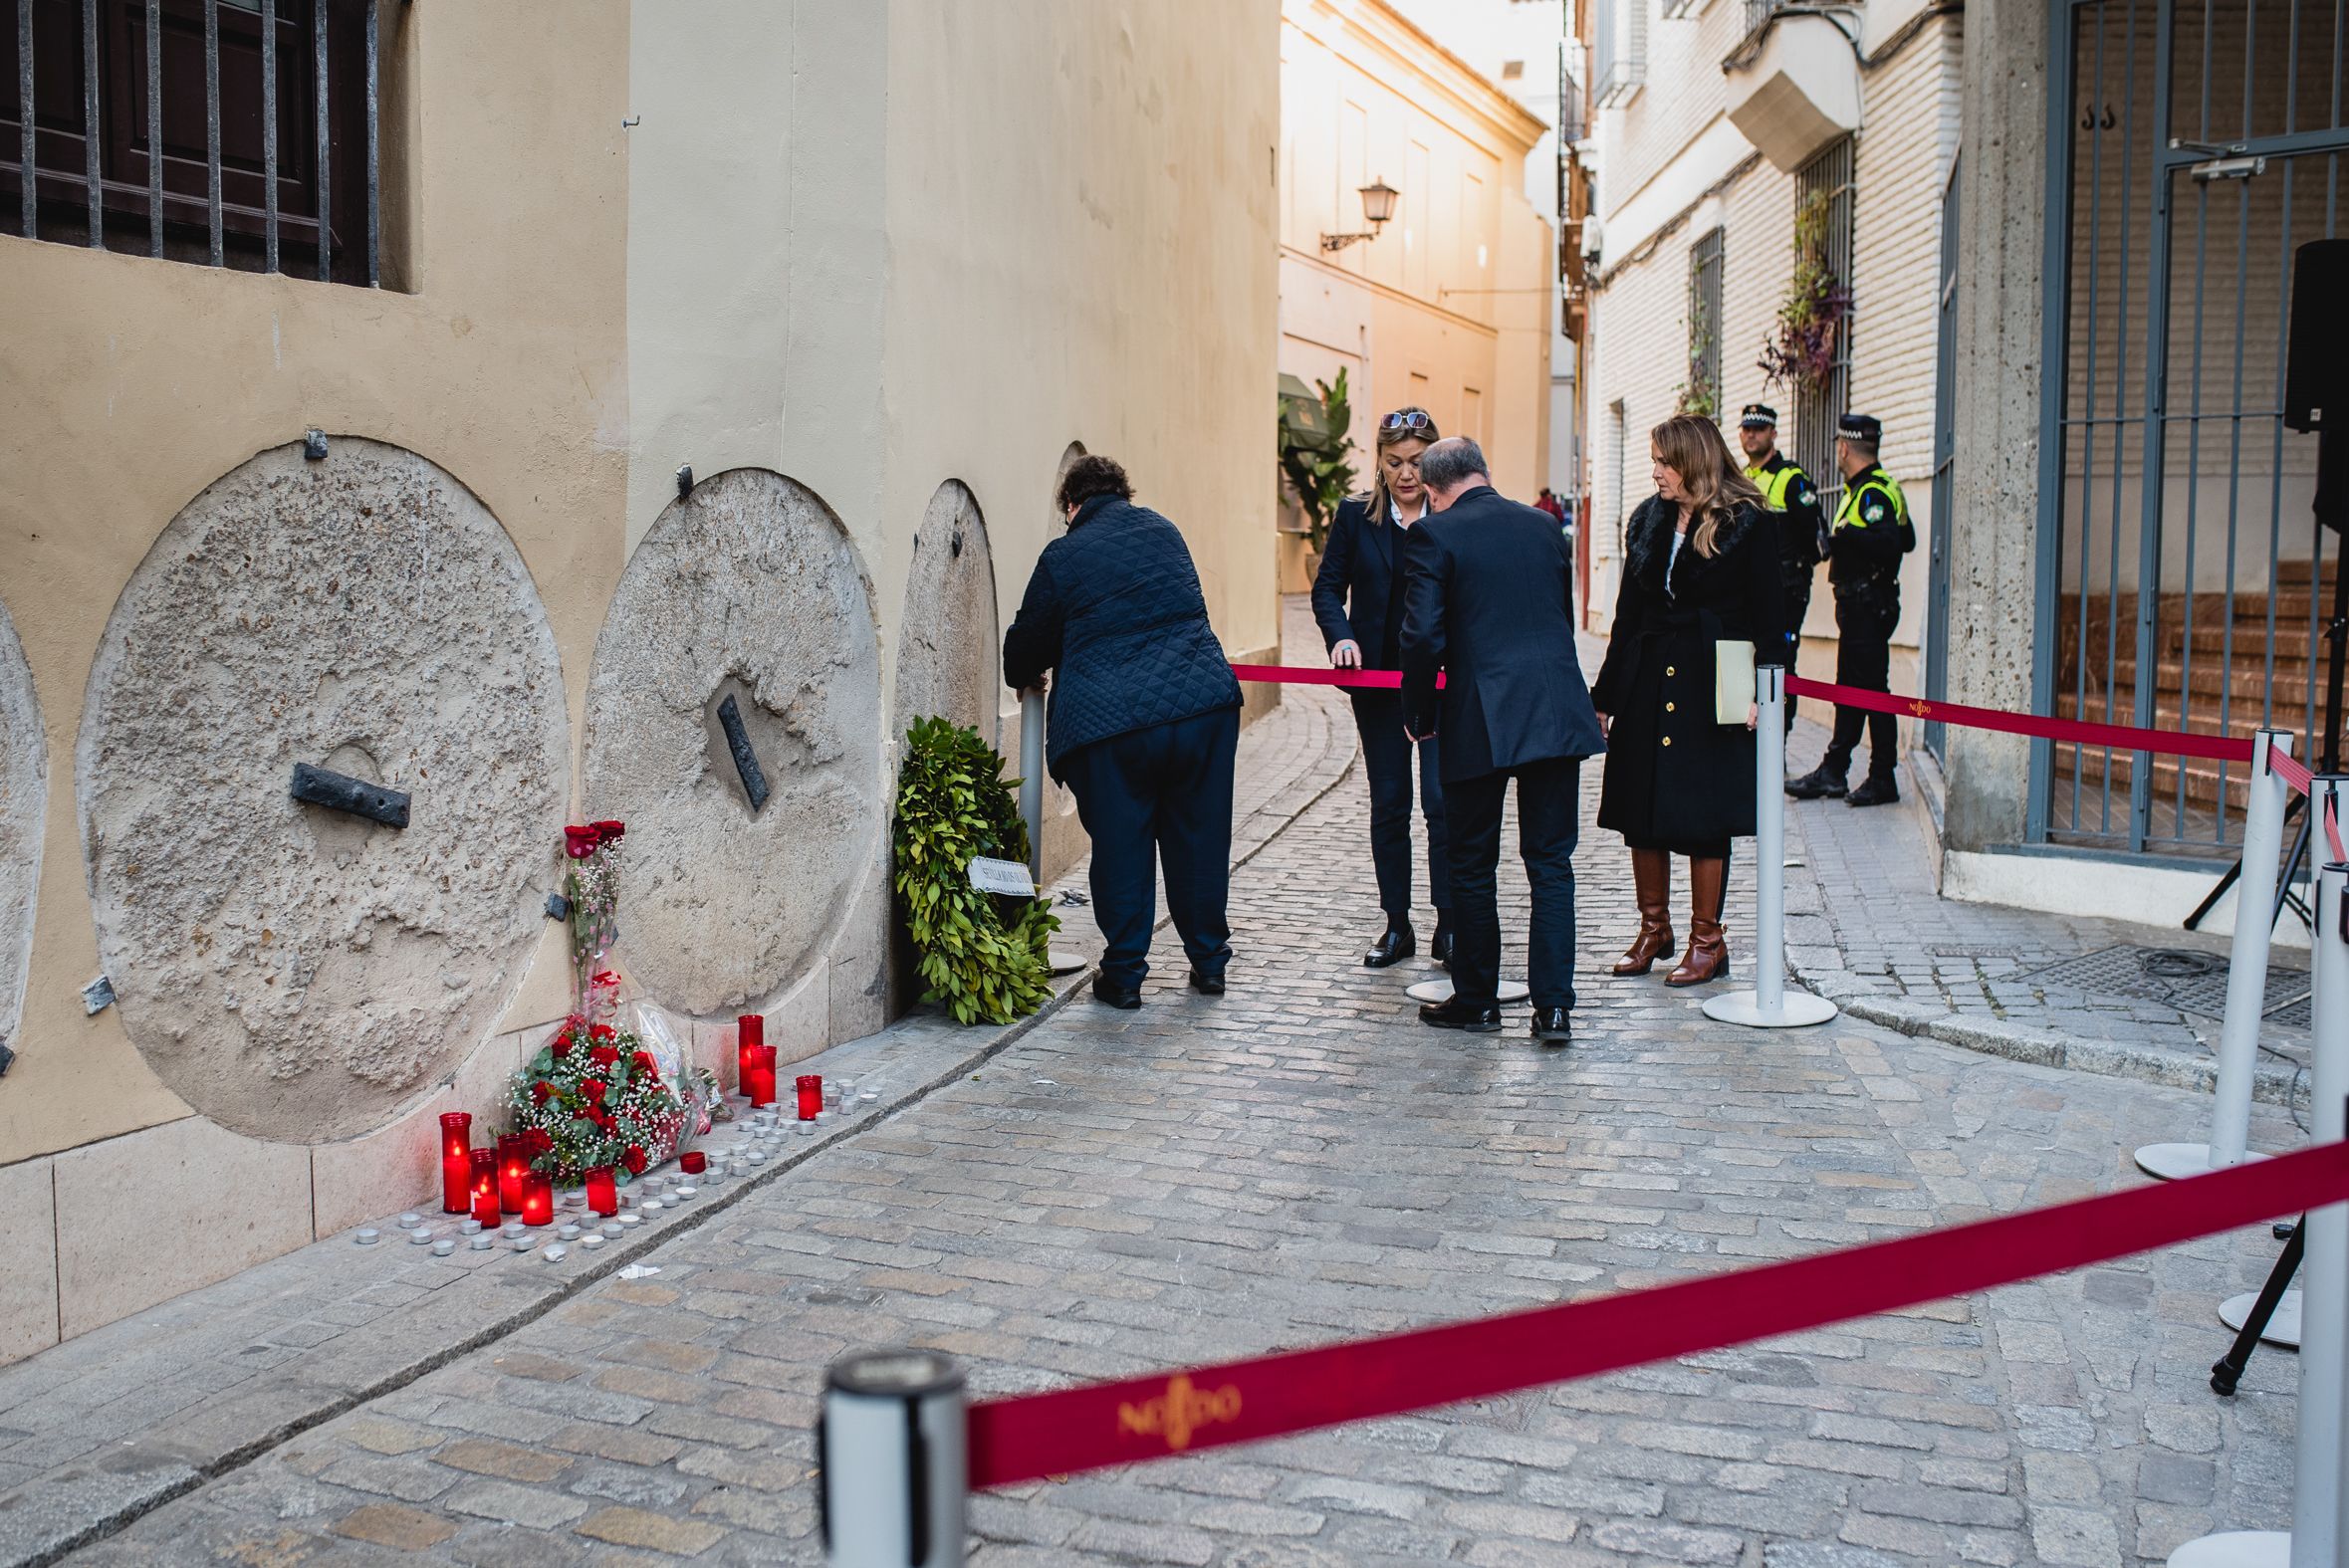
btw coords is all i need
(1796, 1009)
(2283, 1326)
(2236, 1549)
(2171, 1162)
(1439, 990)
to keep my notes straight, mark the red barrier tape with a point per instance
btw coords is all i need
(2119, 737)
(1054, 1434)
(2289, 770)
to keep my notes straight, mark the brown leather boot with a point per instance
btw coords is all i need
(1708, 954)
(1651, 883)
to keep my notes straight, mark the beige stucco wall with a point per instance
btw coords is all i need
(872, 248)
(1450, 307)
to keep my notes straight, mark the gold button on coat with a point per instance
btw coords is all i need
(1669, 670)
(1668, 707)
(1668, 740)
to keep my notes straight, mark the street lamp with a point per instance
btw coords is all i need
(1378, 205)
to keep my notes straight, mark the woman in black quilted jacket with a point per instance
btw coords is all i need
(1143, 724)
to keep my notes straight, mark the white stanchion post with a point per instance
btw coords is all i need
(893, 1470)
(1031, 779)
(2318, 1502)
(1770, 1005)
(2247, 980)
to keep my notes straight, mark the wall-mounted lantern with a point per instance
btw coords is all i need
(1378, 205)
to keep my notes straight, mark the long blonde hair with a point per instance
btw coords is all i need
(1692, 447)
(1376, 498)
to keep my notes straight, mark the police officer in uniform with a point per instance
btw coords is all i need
(1802, 532)
(1872, 532)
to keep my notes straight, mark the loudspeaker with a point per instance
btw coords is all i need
(2316, 377)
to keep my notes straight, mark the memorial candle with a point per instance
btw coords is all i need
(750, 1036)
(760, 1087)
(456, 1162)
(513, 1170)
(537, 1199)
(693, 1161)
(602, 1192)
(485, 1188)
(811, 1095)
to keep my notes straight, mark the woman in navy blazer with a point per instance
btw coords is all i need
(1358, 601)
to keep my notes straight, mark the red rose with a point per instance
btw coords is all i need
(579, 842)
(634, 1160)
(595, 1089)
(645, 1063)
(603, 1055)
(541, 1141)
(542, 1091)
(608, 831)
(561, 1048)
(601, 1031)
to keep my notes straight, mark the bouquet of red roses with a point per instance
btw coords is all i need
(593, 1097)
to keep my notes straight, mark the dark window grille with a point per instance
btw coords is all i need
(1818, 404)
(239, 133)
(1703, 392)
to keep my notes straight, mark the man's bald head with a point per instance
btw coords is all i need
(1449, 468)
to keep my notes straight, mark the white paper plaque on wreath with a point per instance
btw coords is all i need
(1008, 877)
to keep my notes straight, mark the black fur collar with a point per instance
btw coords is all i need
(1648, 540)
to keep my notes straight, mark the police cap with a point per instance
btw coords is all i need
(1860, 427)
(1758, 416)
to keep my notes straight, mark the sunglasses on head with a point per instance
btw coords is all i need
(1408, 419)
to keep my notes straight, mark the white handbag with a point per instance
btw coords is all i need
(1732, 681)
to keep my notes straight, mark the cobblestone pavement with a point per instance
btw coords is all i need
(1299, 1161)
(1866, 926)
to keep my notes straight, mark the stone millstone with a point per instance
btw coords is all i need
(946, 644)
(298, 974)
(749, 589)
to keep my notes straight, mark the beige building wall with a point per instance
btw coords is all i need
(1674, 170)
(1449, 308)
(871, 249)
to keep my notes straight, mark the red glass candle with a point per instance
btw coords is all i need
(513, 1170)
(750, 1037)
(485, 1188)
(693, 1161)
(456, 1162)
(537, 1199)
(811, 1095)
(760, 1087)
(602, 1192)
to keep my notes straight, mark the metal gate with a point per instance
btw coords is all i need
(2193, 145)
(1944, 451)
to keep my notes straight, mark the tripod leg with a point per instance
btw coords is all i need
(2284, 896)
(2193, 922)
(2229, 1369)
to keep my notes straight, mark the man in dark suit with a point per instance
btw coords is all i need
(1488, 600)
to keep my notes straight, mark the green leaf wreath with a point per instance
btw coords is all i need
(986, 957)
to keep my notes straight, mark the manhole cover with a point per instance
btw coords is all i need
(2182, 978)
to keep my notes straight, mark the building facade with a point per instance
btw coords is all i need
(1446, 306)
(1721, 131)
(494, 393)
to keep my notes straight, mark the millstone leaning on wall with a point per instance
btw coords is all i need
(297, 974)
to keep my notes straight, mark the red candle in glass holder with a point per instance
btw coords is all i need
(537, 1199)
(693, 1161)
(456, 1162)
(761, 1085)
(513, 1170)
(811, 1087)
(485, 1188)
(603, 1196)
(750, 1037)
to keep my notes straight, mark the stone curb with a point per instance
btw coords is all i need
(2041, 1048)
(89, 1499)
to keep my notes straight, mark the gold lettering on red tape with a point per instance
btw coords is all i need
(1178, 1415)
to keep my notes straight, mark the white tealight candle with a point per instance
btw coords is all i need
(485, 1240)
(410, 1219)
(444, 1246)
(569, 1232)
(631, 1221)
(558, 1253)
(522, 1243)
(614, 1228)
(684, 1193)
(367, 1235)
(419, 1237)
(470, 1228)
(807, 1129)
(512, 1230)
(870, 1095)
(590, 1241)
(758, 1157)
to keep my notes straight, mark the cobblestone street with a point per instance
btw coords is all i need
(1299, 1161)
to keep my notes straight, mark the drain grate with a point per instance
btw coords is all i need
(2181, 978)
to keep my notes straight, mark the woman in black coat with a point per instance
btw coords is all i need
(1701, 568)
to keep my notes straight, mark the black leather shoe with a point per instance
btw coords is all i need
(1207, 985)
(1821, 782)
(1439, 947)
(1397, 945)
(1457, 1015)
(1876, 792)
(1552, 1027)
(1124, 998)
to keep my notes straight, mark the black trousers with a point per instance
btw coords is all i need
(1151, 797)
(1796, 608)
(1863, 659)
(1386, 762)
(1549, 822)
